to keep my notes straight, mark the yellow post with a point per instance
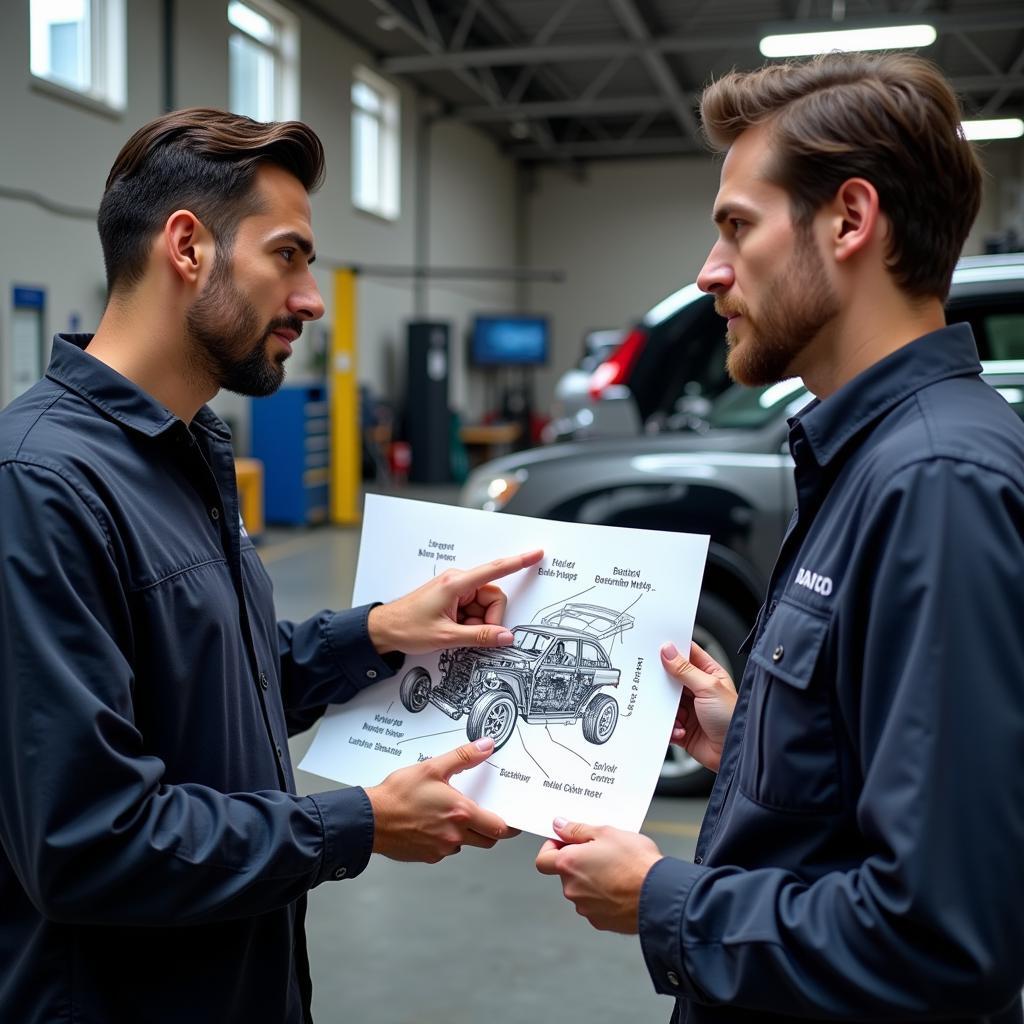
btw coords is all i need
(346, 459)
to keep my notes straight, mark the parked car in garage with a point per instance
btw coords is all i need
(672, 363)
(728, 475)
(668, 364)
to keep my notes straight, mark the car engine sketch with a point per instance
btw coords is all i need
(553, 672)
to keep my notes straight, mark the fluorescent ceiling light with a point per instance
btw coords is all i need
(801, 44)
(998, 128)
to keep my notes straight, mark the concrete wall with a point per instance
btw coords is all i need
(63, 150)
(628, 233)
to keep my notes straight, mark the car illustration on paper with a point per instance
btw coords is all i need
(554, 671)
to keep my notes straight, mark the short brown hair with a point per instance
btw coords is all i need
(198, 159)
(891, 119)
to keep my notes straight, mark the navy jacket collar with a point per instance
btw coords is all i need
(829, 425)
(119, 398)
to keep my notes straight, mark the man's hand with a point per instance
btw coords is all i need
(706, 704)
(458, 608)
(418, 816)
(602, 871)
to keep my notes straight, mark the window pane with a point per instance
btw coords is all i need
(255, 24)
(253, 79)
(365, 98)
(1005, 335)
(60, 42)
(366, 160)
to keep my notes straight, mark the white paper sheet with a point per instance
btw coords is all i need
(583, 699)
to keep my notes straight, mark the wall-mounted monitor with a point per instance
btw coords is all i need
(509, 341)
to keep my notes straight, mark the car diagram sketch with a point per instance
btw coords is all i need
(579, 706)
(555, 671)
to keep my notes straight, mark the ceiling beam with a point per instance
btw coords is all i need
(658, 67)
(697, 43)
(434, 49)
(599, 149)
(611, 106)
(607, 107)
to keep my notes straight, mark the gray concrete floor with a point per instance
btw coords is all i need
(479, 937)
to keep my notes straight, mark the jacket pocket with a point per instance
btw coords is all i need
(790, 761)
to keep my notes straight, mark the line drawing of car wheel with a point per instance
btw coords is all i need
(600, 718)
(494, 714)
(415, 689)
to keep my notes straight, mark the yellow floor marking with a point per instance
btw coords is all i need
(672, 828)
(282, 549)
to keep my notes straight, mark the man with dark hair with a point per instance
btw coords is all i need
(860, 855)
(155, 857)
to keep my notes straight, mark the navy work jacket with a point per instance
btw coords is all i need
(153, 854)
(860, 858)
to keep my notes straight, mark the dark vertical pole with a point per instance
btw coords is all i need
(524, 180)
(421, 238)
(169, 102)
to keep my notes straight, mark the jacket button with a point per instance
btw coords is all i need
(778, 653)
(673, 979)
(371, 673)
(280, 755)
(698, 860)
(215, 514)
(341, 873)
(263, 680)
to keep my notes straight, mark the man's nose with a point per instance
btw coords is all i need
(307, 303)
(717, 274)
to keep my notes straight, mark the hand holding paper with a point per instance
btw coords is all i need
(602, 870)
(577, 703)
(705, 705)
(459, 608)
(418, 816)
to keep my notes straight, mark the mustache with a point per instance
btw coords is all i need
(292, 323)
(727, 309)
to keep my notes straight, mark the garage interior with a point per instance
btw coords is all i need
(530, 159)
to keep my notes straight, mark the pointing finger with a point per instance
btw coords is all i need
(458, 760)
(498, 567)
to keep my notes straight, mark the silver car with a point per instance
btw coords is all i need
(728, 475)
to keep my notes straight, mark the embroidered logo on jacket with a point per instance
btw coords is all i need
(814, 581)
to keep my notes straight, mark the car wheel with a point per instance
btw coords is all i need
(720, 631)
(415, 689)
(494, 714)
(600, 718)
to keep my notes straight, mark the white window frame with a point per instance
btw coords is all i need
(106, 90)
(389, 118)
(285, 54)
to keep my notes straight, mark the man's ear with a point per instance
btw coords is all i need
(189, 246)
(856, 219)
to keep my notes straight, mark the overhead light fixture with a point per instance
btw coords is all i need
(387, 22)
(995, 128)
(893, 37)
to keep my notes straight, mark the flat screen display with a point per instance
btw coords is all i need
(509, 341)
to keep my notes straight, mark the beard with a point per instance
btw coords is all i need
(227, 344)
(798, 302)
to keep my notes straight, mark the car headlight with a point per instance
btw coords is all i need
(492, 492)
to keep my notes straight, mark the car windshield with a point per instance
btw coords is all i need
(530, 641)
(741, 408)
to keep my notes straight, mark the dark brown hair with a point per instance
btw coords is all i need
(201, 160)
(891, 119)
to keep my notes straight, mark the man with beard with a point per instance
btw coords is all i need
(859, 859)
(155, 856)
